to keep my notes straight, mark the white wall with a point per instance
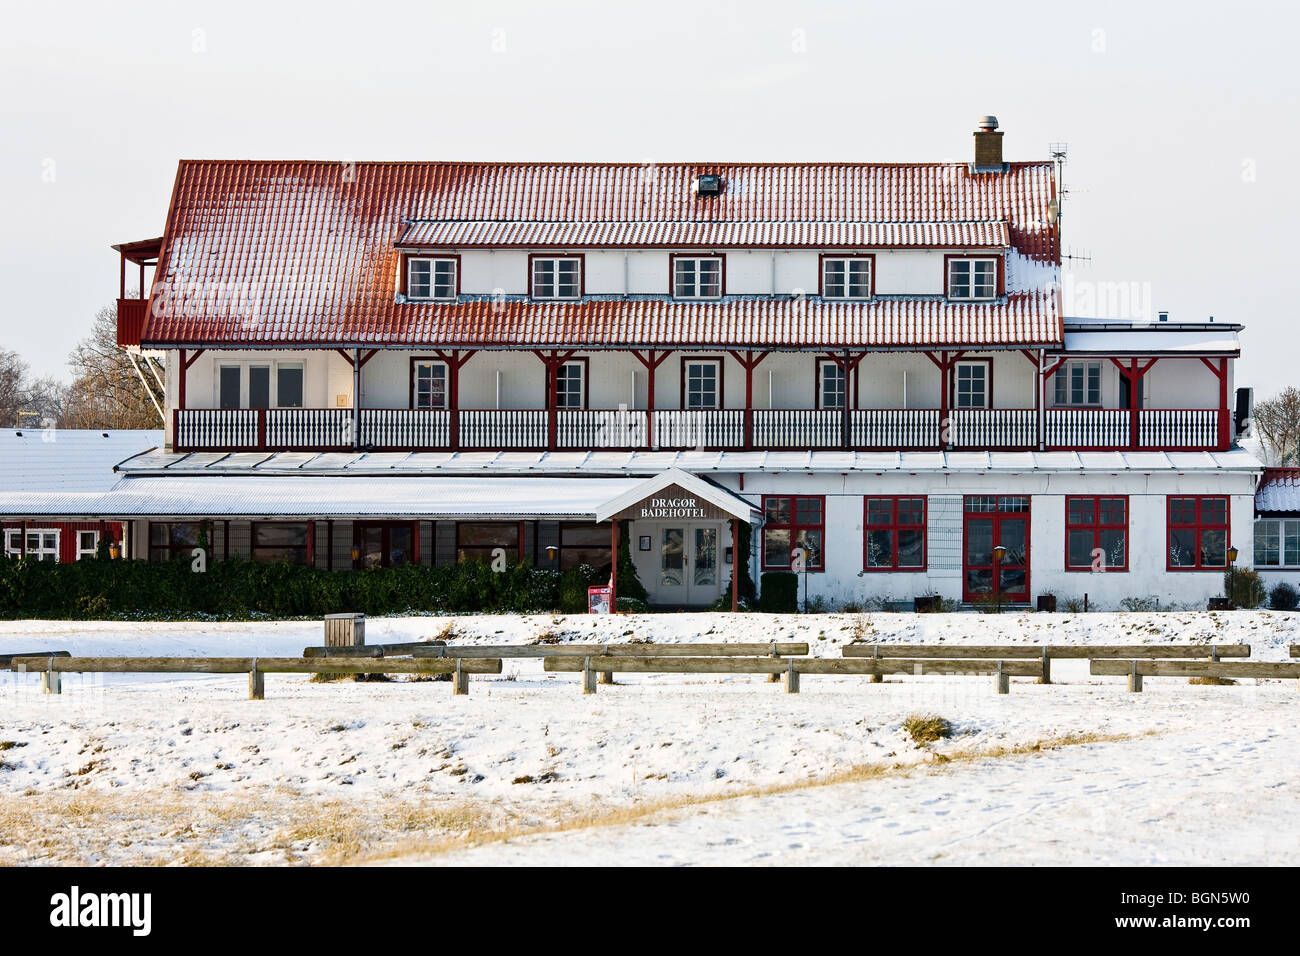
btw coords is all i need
(1147, 575)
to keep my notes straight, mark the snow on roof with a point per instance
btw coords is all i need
(1151, 339)
(306, 253)
(1279, 490)
(645, 463)
(647, 234)
(331, 497)
(66, 460)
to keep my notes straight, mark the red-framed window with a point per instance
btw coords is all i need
(480, 540)
(430, 278)
(847, 277)
(973, 278)
(170, 540)
(1197, 530)
(556, 277)
(1096, 533)
(893, 533)
(430, 383)
(697, 277)
(385, 544)
(790, 522)
(291, 541)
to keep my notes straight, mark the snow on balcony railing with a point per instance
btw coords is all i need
(993, 428)
(798, 428)
(698, 428)
(503, 428)
(601, 428)
(308, 427)
(1178, 428)
(405, 428)
(1086, 428)
(895, 428)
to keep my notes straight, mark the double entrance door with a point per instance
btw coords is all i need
(689, 563)
(995, 552)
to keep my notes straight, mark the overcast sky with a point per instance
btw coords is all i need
(1181, 120)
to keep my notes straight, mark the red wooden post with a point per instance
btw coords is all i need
(1223, 405)
(180, 381)
(735, 564)
(613, 566)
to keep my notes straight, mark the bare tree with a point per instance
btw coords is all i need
(1278, 422)
(24, 401)
(107, 391)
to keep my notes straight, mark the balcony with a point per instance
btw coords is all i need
(384, 429)
(130, 321)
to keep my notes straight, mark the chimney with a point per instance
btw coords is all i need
(988, 144)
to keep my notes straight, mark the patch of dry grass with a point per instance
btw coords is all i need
(927, 728)
(282, 826)
(1212, 681)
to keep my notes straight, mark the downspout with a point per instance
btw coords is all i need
(356, 398)
(1042, 402)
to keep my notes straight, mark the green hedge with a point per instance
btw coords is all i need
(242, 589)
(779, 592)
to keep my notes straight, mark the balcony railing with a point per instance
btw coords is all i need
(130, 320)
(280, 429)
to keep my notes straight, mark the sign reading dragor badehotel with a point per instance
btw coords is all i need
(674, 503)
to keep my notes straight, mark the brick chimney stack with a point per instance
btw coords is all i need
(988, 144)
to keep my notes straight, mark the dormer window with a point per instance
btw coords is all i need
(556, 277)
(972, 279)
(697, 277)
(430, 279)
(846, 277)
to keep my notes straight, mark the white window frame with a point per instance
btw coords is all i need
(969, 263)
(415, 384)
(850, 264)
(245, 366)
(689, 288)
(823, 365)
(716, 365)
(94, 544)
(986, 374)
(1063, 384)
(553, 264)
(14, 543)
(441, 288)
(1281, 524)
(581, 368)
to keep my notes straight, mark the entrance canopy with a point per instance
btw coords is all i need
(676, 495)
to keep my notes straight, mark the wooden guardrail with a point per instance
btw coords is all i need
(6, 659)
(436, 649)
(1044, 653)
(790, 668)
(49, 667)
(1135, 670)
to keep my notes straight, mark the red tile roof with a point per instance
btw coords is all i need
(1279, 490)
(306, 253)
(467, 234)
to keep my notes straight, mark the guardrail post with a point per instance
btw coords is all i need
(1214, 653)
(588, 677)
(460, 681)
(1003, 681)
(256, 683)
(1135, 680)
(51, 680)
(791, 677)
(1047, 668)
(876, 678)
(773, 677)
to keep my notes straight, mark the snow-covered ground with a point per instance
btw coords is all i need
(658, 768)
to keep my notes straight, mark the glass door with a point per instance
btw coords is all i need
(672, 566)
(704, 561)
(994, 522)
